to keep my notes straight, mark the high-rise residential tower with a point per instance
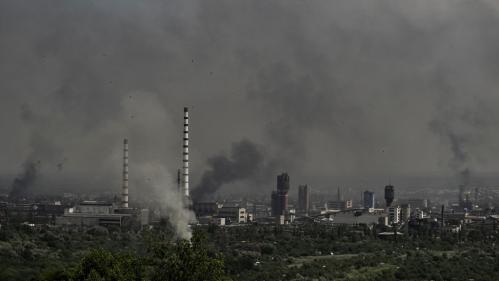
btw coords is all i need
(304, 198)
(369, 200)
(389, 195)
(280, 197)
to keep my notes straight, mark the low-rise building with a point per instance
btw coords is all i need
(415, 202)
(419, 214)
(93, 207)
(356, 218)
(233, 214)
(339, 205)
(86, 219)
(206, 208)
(91, 213)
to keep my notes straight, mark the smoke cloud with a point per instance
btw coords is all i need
(350, 91)
(246, 161)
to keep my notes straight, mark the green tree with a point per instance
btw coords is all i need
(103, 265)
(187, 261)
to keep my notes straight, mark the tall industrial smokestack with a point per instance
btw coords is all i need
(124, 195)
(185, 167)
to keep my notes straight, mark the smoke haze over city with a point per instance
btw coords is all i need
(361, 91)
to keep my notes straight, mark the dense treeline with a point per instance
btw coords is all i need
(253, 252)
(99, 253)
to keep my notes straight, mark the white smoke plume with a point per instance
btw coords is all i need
(155, 182)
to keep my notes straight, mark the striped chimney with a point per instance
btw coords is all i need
(124, 195)
(185, 154)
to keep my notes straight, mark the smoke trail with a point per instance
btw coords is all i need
(459, 162)
(24, 182)
(246, 160)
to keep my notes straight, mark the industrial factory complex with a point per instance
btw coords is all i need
(286, 204)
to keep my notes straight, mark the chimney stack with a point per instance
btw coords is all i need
(185, 167)
(124, 195)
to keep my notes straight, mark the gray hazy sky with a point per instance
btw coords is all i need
(325, 89)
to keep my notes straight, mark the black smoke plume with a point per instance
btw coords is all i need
(21, 187)
(465, 176)
(245, 161)
(459, 162)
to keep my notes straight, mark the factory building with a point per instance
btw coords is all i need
(36, 213)
(304, 199)
(260, 210)
(202, 209)
(415, 202)
(90, 213)
(233, 214)
(93, 207)
(338, 205)
(352, 218)
(211, 221)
